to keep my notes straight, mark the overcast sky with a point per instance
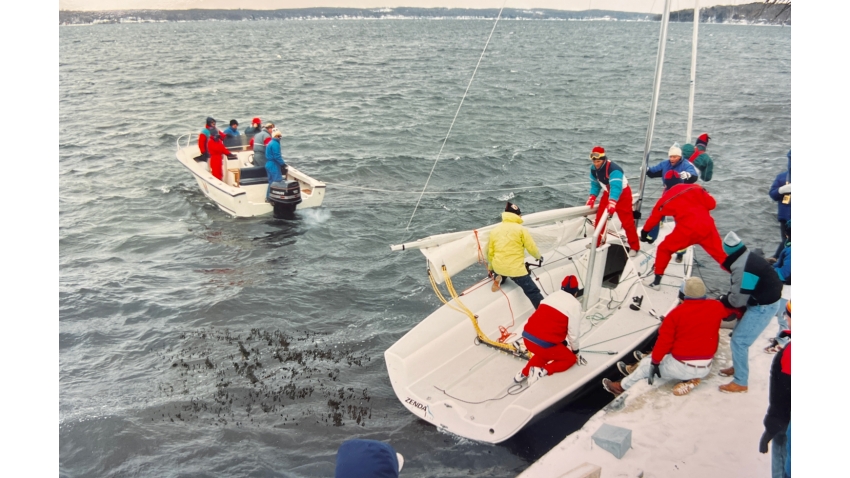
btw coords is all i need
(650, 6)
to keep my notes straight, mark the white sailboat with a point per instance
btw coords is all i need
(455, 368)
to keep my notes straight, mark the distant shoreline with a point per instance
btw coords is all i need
(741, 14)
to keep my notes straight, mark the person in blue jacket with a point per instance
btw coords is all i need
(231, 134)
(275, 166)
(780, 191)
(685, 169)
(783, 269)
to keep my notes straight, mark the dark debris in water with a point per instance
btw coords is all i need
(264, 378)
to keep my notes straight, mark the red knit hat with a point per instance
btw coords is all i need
(703, 139)
(569, 284)
(597, 152)
(256, 120)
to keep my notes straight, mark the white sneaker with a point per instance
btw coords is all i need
(633, 253)
(519, 377)
(535, 374)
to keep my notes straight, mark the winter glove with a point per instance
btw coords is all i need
(684, 175)
(540, 260)
(654, 371)
(612, 206)
(765, 439)
(591, 201)
(785, 189)
(579, 359)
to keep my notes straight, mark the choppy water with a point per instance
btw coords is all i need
(158, 288)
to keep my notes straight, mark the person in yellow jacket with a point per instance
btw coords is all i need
(506, 253)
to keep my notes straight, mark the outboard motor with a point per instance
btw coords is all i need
(284, 196)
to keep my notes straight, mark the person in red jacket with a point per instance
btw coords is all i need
(204, 137)
(557, 318)
(216, 148)
(689, 205)
(687, 342)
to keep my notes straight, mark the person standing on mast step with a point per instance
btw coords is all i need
(506, 253)
(689, 206)
(607, 175)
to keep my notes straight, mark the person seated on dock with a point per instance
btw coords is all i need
(756, 285)
(690, 206)
(506, 253)
(275, 166)
(204, 137)
(218, 154)
(607, 175)
(686, 344)
(259, 142)
(557, 318)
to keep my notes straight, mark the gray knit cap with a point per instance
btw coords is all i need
(694, 288)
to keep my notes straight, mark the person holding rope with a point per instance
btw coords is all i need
(687, 342)
(557, 318)
(607, 175)
(689, 205)
(506, 253)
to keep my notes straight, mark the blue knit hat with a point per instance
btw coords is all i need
(732, 243)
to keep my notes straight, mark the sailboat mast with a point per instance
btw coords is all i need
(693, 73)
(659, 63)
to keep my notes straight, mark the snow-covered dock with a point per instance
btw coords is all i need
(706, 433)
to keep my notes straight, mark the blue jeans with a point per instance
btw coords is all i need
(755, 320)
(669, 368)
(788, 451)
(783, 324)
(531, 290)
(778, 453)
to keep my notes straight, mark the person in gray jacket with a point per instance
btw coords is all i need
(259, 143)
(756, 285)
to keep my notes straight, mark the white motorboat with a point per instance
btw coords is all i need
(242, 190)
(455, 369)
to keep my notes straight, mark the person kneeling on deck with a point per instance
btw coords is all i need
(558, 317)
(275, 166)
(506, 253)
(756, 285)
(687, 342)
(607, 175)
(689, 205)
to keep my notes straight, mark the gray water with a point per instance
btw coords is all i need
(158, 288)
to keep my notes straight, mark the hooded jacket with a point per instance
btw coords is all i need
(783, 265)
(754, 281)
(507, 245)
(557, 317)
(688, 203)
(203, 138)
(683, 166)
(783, 178)
(690, 331)
(700, 159)
(274, 161)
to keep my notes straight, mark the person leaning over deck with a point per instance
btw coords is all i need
(275, 166)
(607, 175)
(557, 318)
(780, 191)
(757, 286)
(506, 253)
(690, 206)
(217, 152)
(686, 344)
(204, 137)
(259, 143)
(684, 169)
(778, 416)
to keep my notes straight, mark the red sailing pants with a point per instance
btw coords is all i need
(554, 359)
(685, 234)
(624, 212)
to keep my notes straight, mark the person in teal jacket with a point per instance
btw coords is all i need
(275, 166)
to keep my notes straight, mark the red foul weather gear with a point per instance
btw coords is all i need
(557, 358)
(689, 205)
(690, 331)
(624, 212)
(217, 149)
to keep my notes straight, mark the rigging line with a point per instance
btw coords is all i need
(456, 113)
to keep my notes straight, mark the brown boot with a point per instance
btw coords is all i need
(613, 387)
(727, 372)
(733, 387)
(684, 388)
(496, 280)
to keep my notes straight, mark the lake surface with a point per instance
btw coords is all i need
(195, 344)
